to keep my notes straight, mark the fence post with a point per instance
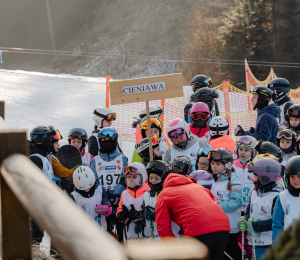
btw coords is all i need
(15, 236)
(162, 117)
(2, 109)
(227, 105)
(107, 91)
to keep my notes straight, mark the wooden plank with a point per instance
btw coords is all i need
(15, 236)
(2, 109)
(72, 232)
(173, 84)
(149, 131)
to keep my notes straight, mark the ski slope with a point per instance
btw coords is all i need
(63, 101)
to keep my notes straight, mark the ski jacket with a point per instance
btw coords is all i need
(284, 105)
(86, 158)
(203, 134)
(60, 170)
(287, 156)
(190, 206)
(37, 150)
(225, 141)
(266, 124)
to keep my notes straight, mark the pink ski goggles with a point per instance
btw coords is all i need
(178, 132)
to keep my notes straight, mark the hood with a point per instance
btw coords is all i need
(222, 177)
(271, 109)
(36, 149)
(110, 157)
(225, 141)
(237, 163)
(175, 179)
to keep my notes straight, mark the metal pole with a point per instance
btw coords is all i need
(50, 25)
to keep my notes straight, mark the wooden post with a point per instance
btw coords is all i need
(16, 239)
(2, 109)
(149, 131)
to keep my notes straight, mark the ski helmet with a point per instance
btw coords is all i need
(297, 145)
(42, 136)
(200, 81)
(221, 155)
(292, 167)
(267, 170)
(83, 178)
(103, 113)
(203, 152)
(218, 126)
(154, 122)
(78, 133)
(55, 139)
(203, 178)
(157, 167)
(178, 127)
(206, 95)
(110, 145)
(294, 111)
(136, 168)
(154, 112)
(264, 96)
(289, 135)
(182, 165)
(264, 147)
(200, 113)
(281, 87)
(142, 147)
(246, 141)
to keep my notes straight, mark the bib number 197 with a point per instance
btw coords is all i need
(109, 179)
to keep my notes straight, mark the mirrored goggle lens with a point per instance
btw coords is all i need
(197, 116)
(57, 135)
(243, 140)
(176, 132)
(78, 135)
(284, 134)
(204, 150)
(208, 82)
(214, 155)
(130, 170)
(155, 121)
(111, 117)
(155, 140)
(154, 166)
(108, 133)
(293, 112)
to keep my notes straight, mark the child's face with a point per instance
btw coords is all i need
(254, 98)
(244, 153)
(106, 123)
(154, 178)
(255, 178)
(179, 139)
(295, 181)
(56, 146)
(217, 167)
(154, 131)
(157, 151)
(294, 121)
(76, 142)
(203, 163)
(284, 143)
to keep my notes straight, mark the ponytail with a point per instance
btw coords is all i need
(229, 180)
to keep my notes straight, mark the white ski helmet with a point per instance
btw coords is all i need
(179, 123)
(136, 168)
(218, 126)
(154, 112)
(101, 113)
(83, 178)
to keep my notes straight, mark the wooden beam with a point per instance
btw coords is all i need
(16, 239)
(2, 109)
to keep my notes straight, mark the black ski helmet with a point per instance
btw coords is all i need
(79, 133)
(200, 81)
(157, 167)
(280, 86)
(206, 95)
(182, 165)
(294, 111)
(289, 135)
(264, 96)
(42, 136)
(292, 167)
(263, 147)
(222, 155)
(142, 148)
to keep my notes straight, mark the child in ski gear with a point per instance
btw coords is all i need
(203, 178)
(182, 165)
(200, 114)
(142, 149)
(261, 202)
(183, 201)
(287, 209)
(202, 160)
(102, 117)
(78, 138)
(227, 190)
(219, 132)
(266, 124)
(298, 145)
(130, 206)
(293, 118)
(280, 88)
(183, 142)
(263, 147)
(286, 140)
(91, 196)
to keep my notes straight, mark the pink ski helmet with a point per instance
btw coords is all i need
(200, 110)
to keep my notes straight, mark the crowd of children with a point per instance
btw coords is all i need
(254, 178)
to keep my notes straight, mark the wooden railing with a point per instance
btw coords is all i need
(25, 191)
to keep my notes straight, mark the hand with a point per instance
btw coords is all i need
(149, 215)
(123, 215)
(242, 224)
(65, 184)
(252, 130)
(133, 214)
(250, 226)
(138, 228)
(238, 131)
(113, 198)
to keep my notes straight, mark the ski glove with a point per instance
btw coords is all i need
(252, 130)
(104, 210)
(138, 228)
(242, 224)
(238, 131)
(65, 184)
(113, 198)
(149, 215)
(123, 215)
(250, 225)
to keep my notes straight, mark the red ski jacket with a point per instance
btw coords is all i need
(190, 206)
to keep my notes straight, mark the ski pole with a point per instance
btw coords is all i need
(228, 256)
(140, 237)
(243, 248)
(151, 228)
(124, 208)
(253, 244)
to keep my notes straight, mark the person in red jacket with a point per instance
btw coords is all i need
(192, 207)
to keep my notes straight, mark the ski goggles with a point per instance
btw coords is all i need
(285, 134)
(253, 168)
(109, 132)
(57, 136)
(178, 132)
(215, 156)
(78, 134)
(155, 166)
(293, 112)
(201, 116)
(108, 117)
(130, 170)
(204, 150)
(155, 121)
(205, 82)
(243, 140)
